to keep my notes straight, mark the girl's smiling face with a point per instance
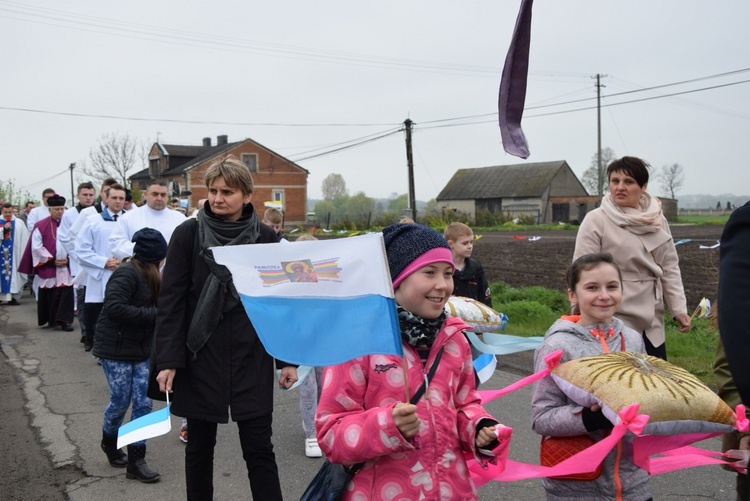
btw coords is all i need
(425, 292)
(598, 294)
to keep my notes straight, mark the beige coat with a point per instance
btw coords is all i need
(649, 278)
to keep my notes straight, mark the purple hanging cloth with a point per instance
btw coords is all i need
(513, 85)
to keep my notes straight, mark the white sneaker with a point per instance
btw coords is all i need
(312, 450)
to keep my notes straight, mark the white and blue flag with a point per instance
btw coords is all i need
(484, 365)
(145, 427)
(319, 302)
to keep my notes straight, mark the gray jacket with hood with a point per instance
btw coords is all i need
(553, 414)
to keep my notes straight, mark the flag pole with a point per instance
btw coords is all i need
(406, 379)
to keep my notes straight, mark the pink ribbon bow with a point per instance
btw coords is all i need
(742, 424)
(553, 359)
(630, 418)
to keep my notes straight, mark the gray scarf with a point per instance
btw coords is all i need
(218, 295)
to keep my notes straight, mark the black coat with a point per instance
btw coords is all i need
(125, 328)
(472, 282)
(233, 368)
(734, 300)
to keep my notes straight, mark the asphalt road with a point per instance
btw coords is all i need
(66, 392)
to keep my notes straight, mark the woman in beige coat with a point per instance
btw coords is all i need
(630, 226)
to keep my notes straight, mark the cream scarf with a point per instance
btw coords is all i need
(646, 221)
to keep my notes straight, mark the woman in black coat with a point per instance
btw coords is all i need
(123, 340)
(207, 351)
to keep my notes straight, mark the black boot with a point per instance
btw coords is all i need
(115, 456)
(137, 467)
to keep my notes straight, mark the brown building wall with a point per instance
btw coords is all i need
(272, 173)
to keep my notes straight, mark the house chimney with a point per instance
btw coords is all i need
(221, 140)
(206, 141)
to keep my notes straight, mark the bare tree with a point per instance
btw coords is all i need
(333, 186)
(12, 194)
(671, 177)
(590, 177)
(114, 156)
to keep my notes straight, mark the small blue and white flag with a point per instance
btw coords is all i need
(484, 365)
(149, 426)
(319, 302)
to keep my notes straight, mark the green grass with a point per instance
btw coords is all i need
(695, 350)
(532, 310)
(719, 220)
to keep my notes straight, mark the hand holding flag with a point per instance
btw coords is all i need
(704, 307)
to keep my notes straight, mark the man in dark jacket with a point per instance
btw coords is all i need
(734, 302)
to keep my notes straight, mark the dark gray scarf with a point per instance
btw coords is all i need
(218, 295)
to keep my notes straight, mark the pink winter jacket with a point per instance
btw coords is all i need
(354, 422)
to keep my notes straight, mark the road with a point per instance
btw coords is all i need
(65, 393)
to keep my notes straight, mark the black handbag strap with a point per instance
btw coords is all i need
(430, 374)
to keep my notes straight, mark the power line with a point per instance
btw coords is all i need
(28, 187)
(355, 140)
(376, 136)
(200, 122)
(645, 89)
(62, 19)
(349, 146)
(582, 109)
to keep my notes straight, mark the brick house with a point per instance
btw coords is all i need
(276, 178)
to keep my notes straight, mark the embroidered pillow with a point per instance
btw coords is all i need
(478, 315)
(675, 400)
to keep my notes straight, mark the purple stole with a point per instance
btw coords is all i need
(49, 242)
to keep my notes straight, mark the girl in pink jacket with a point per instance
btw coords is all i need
(411, 451)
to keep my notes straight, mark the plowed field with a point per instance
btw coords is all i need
(522, 262)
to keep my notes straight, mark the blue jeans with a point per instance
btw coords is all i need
(128, 381)
(309, 395)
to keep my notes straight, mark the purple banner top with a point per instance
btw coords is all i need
(513, 85)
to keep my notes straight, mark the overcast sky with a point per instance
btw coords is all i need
(303, 78)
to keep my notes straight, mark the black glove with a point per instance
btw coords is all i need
(595, 420)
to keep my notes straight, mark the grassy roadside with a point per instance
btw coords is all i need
(719, 220)
(532, 310)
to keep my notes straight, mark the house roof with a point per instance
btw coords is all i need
(197, 155)
(200, 153)
(520, 180)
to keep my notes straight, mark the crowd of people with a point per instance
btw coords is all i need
(162, 316)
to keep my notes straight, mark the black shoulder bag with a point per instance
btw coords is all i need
(332, 478)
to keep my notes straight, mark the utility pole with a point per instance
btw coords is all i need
(410, 162)
(600, 174)
(72, 191)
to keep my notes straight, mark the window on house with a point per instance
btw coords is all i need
(251, 160)
(154, 167)
(278, 196)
